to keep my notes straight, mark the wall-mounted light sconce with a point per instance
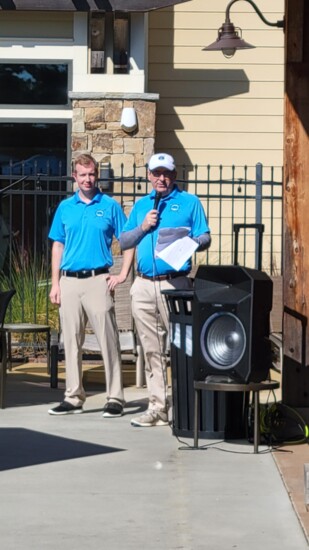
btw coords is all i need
(230, 37)
(128, 121)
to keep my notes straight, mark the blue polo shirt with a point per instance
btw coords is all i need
(178, 209)
(87, 231)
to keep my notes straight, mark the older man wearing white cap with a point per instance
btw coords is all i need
(156, 220)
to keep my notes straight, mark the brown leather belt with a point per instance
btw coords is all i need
(85, 273)
(166, 277)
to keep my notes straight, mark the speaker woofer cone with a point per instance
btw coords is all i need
(223, 340)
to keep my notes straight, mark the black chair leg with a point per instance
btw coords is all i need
(3, 367)
(54, 366)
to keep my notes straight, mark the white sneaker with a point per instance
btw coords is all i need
(151, 418)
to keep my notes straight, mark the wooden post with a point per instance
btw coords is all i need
(295, 374)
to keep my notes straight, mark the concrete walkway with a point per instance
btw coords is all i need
(84, 482)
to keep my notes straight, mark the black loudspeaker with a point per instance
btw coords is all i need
(231, 314)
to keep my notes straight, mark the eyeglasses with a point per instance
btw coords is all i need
(159, 173)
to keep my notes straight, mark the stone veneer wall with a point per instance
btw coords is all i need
(96, 130)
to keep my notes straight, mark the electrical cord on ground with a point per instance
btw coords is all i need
(280, 426)
(214, 446)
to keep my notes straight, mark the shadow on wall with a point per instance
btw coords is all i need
(185, 87)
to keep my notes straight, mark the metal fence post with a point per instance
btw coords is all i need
(258, 208)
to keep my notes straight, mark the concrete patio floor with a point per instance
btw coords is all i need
(81, 481)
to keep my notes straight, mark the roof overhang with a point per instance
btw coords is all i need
(87, 5)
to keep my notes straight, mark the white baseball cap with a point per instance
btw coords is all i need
(161, 160)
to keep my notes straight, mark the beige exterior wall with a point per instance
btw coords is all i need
(217, 111)
(59, 36)
(214, 110)
(41, 25)
(95, 103)
(211, 110)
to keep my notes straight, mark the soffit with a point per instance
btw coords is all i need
(87, 5)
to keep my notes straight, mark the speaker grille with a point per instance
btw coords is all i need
(223, 340)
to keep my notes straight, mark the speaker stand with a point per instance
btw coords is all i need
(254, 387)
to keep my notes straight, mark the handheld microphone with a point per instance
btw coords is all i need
(157, 199)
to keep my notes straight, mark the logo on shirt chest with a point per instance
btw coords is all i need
(174, 207)
(99, 213)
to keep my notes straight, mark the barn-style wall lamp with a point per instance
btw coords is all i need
(230, 37)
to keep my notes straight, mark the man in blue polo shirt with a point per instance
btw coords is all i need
(82, 232)
(158, 219)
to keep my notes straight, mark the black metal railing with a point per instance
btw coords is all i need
(230, 195)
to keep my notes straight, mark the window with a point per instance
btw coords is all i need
(29, 148)
(109, 38)
(33, 84)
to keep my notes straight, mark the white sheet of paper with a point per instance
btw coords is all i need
(168, 235)
(177, 253)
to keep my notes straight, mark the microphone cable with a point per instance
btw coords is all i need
(157, 299)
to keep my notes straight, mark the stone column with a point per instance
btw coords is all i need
(96, 130)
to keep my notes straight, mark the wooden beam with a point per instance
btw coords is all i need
(295, 375)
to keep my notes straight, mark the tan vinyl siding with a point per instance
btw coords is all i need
(193, 57)
(215, 110)
(216, 140)
(227, 107)
(220, 124)
(215, 91)
(258, 73)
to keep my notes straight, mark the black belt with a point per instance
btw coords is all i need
(166, 277)
(85, 273)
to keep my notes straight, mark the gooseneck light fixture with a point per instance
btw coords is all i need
(230, 37)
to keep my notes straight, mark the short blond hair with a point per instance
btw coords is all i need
(84, 160)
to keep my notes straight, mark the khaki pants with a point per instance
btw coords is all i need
(83, 300)
(152, 323)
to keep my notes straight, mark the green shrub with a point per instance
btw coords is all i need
(30, 279)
